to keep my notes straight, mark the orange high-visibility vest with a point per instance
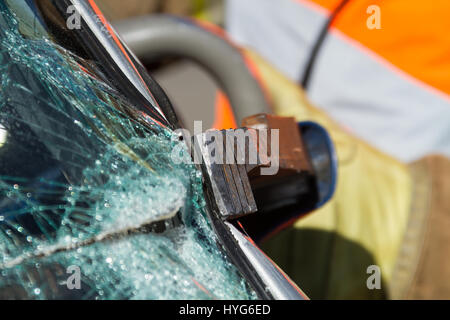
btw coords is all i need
(382, 71)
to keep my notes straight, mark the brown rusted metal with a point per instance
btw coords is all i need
(292, 152)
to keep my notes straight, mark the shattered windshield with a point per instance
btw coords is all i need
(85, 180)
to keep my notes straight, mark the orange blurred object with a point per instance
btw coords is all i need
(224, 117)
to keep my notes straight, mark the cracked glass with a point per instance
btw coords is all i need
(84, 180)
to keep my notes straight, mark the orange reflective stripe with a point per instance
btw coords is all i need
(413, 36)
(224, 117)
(111, 32)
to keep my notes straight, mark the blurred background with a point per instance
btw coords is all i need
(191, 89)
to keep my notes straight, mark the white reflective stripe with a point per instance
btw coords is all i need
(282, 31)
(379, 104)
